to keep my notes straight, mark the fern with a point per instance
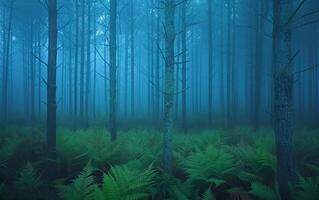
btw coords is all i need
(307, 188)
(208, 195)
(264, 192)
(81, 188)
(28, 183)
(211, 166)
(123, 183)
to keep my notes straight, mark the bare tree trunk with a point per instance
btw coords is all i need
(39, 75)
(94, 63)
(112, 54)
(132, 61)
(222, 80)
(126, 71)
(283, 94)
(88, 65)
(6, 54)
(169, 83)
(76, 58)
(51, 87)
(157, 68)
(210, 61)
(184, 70)
(82, 62)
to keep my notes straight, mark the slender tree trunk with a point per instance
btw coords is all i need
(184, 70)
(88, 65)
(229, 93)
(82, 62)
(94, 63)
(39, 75)
(6, 54)
(157, 68)
(259, 6)
(32, 75)
(222, 87)
(126, 71)
(169, 83)
(283, 95)
(132, 61)
(76, 58)
(210, 61)
(70, 95)
(112, 54)
(51, 87)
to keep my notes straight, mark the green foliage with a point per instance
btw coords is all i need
(122, 183)
(208, 195)
(29, 183)
(264, 192)
(81, 188)
(307, 188)
(211, 165)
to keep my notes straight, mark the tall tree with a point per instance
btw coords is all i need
(210, 61)
(112, 54)
(82, 61)
(76, 57)
(51, 86)
(184, 70)
(6, 53)
(169, 29)
(283, 93)
(157, 67)
(88, 64)
(132, 61)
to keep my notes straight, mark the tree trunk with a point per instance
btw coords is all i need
(82, 62)
(51, 87)
(210, 61)
(132, 61)
(184, 70)
(112, 54)
(283, 94)
(6, 54)
(88, 65)
(157, 68)
(169, 83)
(76, 57)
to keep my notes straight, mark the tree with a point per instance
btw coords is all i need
(210, 61)
(132, 61)
(6, 54)
(169, 31)
(184, 71)
(88, 64)
(283, 94)
(76, 57)
(51, 86)
(112, 54)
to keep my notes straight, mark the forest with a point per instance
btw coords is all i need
(159, 99)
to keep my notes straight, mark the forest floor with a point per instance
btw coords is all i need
(236, 163)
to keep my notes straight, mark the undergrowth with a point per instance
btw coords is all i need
(211, 164)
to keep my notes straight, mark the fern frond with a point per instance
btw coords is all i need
(307, 188)
(81, 188)
(263, 192)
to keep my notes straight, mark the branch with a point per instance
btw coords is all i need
(306, 69)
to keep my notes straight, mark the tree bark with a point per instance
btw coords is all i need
(184, 70)
(132, 62)
(169, 83)
(283, 94)
(6, 54)
(210, 61)
(112, 54)
(51, 87)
